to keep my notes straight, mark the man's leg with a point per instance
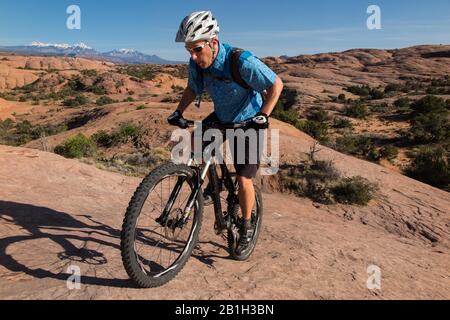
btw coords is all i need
(246, 196)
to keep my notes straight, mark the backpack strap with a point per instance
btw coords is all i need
(235, 73)
(232, 67)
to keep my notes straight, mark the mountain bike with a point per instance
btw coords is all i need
(163, 219)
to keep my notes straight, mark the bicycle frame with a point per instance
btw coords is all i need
(201, 172)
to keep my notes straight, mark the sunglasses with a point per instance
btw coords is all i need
(197, 49)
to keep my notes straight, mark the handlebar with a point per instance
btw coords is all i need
(222, 126)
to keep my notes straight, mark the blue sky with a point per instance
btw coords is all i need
(263, 26)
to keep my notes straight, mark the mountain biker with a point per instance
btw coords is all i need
(232, 102)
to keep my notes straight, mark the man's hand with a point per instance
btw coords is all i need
(176, 119)
(260, 121)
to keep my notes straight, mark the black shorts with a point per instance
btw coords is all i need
(249, 162)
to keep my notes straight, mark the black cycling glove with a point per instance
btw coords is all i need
(260, 121)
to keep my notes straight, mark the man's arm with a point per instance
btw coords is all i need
(187, 98)
(272, 96)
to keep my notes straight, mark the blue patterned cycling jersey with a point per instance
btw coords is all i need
(232, 103)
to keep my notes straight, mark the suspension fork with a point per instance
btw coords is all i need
(162, 219)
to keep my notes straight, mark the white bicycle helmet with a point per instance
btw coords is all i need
(197, 26)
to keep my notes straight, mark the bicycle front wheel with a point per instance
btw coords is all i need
(154, 250)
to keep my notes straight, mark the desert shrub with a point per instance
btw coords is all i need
(366, 92)
(356, 110)
(284, 114)
(341, 98)
(362, 91)
(318, 130)
(403, 105)
(354, 190)
(141, 72)
(431, 165)
(89, 72)
(389, 152)
(168, 100)
(356, 145)
(321, 182)
(428, 104)
(319, 115)
(141, 107)
(380, 108)
(177, 88)
(139, 163)
(393, 87)
(104, 100)
(126, 132)
(342, 123)
(430, 127)
(76, 147)
(79, 100)
(103, 138)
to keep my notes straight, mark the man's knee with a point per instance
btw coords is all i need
(244, 182)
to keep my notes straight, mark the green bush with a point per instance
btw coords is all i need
(141, 107)
(141, 72)
(320, 181)
(362, 91)
(177, 88)
(356, 145)
(341, 98)
(76, 147)
(126, 132)
(403, 104)
(393, 87)
(429, 104)
(89, 72)
(289, 116)
(430, 127)
(356, 110)
(431, 165)
(318, 130)
(355, 190)
(103, 138)
(389, 152)
(366, 92)
(380, 108)
(342, 123)
(79, 100)
(104, 100)
(98, 90)
(319, 115)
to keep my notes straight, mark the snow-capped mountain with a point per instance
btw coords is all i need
(127, 56)
(133, 56)
(78, 46)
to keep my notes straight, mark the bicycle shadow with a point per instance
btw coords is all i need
(40, 222)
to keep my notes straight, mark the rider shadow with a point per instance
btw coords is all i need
(36, 220)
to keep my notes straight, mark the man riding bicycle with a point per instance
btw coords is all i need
(234, 100)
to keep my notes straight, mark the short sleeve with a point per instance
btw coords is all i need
(257, 74)
(194, 81)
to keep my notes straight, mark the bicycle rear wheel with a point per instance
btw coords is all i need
(232, 235)
(154, 251)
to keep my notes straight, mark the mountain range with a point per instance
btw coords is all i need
(126, 56)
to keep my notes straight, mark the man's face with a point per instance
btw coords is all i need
(201, 53)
